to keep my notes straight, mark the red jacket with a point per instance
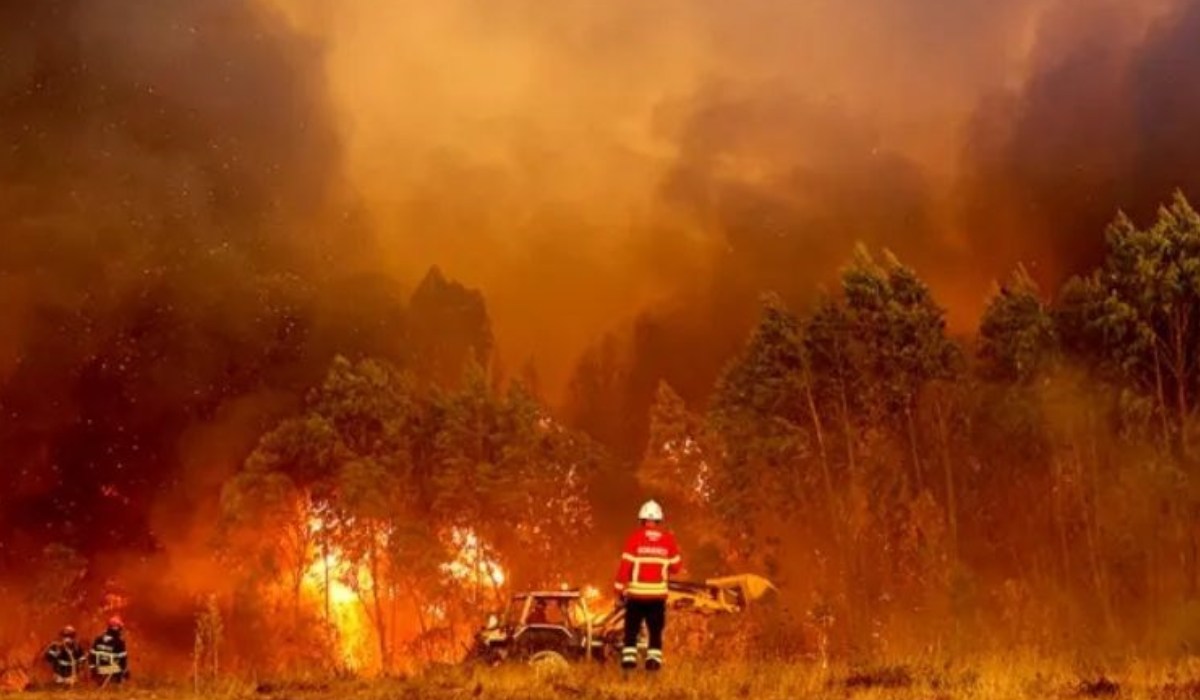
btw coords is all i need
(650, 557)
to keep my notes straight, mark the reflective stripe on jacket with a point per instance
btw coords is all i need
(65, 659)
(650, 557)
(109, 657)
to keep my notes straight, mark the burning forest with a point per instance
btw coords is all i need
(329, 330)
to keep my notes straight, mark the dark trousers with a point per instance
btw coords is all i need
(651, 612)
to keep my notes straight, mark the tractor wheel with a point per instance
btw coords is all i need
(549, 663)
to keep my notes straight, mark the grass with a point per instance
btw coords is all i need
(1011, 679)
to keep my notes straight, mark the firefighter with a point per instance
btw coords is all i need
(650, 558)
(538, 616)
(66, 657)
(109, 658)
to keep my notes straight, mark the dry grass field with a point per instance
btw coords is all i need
(1009, 679)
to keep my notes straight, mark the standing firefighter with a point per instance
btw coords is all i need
(651, 556)
(66, 657)
(109, 659)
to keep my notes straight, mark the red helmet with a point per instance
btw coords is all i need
(115, 623)
(68, 632)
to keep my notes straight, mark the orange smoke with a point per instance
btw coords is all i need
(587, 161)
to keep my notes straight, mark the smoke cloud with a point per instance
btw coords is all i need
(172, 240)
(585, 164)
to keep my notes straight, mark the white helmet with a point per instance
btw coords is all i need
(650, 511)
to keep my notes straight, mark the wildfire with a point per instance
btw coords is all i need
(341, 588)
(327, 580)
(472, 563)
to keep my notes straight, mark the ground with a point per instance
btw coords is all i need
(1012, 679)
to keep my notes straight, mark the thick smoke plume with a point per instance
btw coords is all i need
(173, 251)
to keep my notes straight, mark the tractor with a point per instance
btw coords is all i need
(554, 628)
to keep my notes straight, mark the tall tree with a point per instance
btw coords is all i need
(681, 451)
(897, 337)
(1140, 312)
(258, 500)
(449, 328)
(757, 411)
(1017, 337)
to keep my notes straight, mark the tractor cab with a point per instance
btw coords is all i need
(547, 609)
(538, 625)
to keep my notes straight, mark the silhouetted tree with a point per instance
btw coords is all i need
(448, 329)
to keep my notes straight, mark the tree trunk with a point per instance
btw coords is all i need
(826, 473)
(302, 554)
(393, 614)
(845, 406)
(1092, 526)
(1161, 393)
(841, 542)
(1193, 557)
(1181, 399)
(1060, 523)
(918, 476)
(856, 586)
(325, 567)
(376, 601)
(951, 496)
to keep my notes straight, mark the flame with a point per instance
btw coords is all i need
(599, 604)
(340, 594)
(346, 614)
(471, 563)
(339, 589)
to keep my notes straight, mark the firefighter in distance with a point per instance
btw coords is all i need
(66, 657)
(651, 556)
(109, 656)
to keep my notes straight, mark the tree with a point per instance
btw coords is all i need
(557, 470)
(897, 339)
(369, 506)
(449, 328)
(257, 501)
(472, 485)
(873, 356)
(765, 452)
(1140, 312)
(757, 413)
(511, 474)
(680, 456)
(1017, 336)
(338, 478)
(597, 393)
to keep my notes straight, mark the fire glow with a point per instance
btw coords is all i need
(340, 590)
(328, 583)
(471, 563)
